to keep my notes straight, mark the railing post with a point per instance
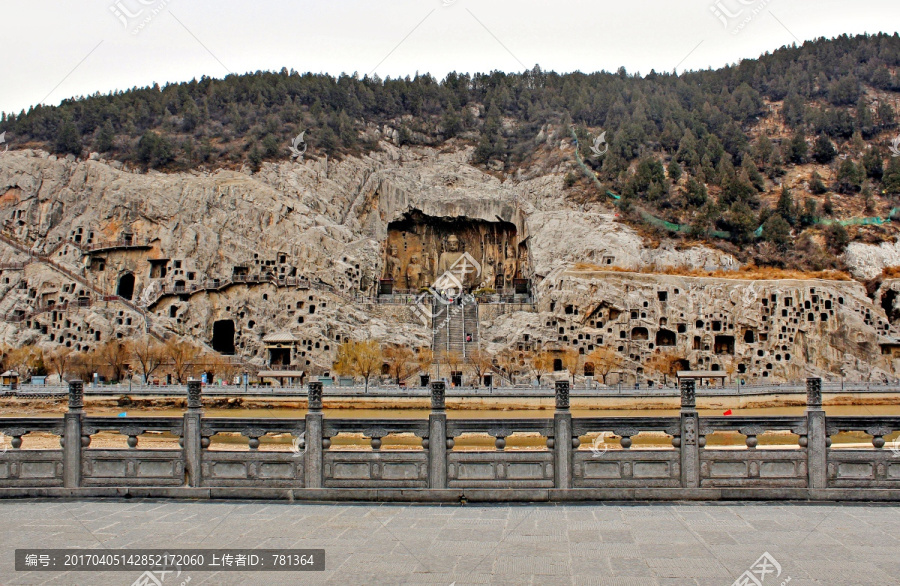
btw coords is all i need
(690, 435)
(72, 440)
(817, 440)
(314, 439)
(438, 443)
(191, 437)
(563, 442)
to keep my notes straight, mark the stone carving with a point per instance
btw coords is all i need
(451, 254)
(393, 268)
(194, 390)
(562, 395)
(315, 396)
(76, 395)
(814, 392)
(688, 393)
(438, 395)
(414, 274)
(689, 435)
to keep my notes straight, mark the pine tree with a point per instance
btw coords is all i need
(797, 149)
(891, 180)
(105, 138)
(823, 151)
(777, 231)
(68, 139)
(873, 164)
(849, 177)
(816, 185)
(785, 206)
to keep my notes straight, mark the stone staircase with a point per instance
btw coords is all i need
(450, 327)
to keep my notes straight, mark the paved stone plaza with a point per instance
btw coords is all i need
(599, 544)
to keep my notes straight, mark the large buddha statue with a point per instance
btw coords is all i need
(449, 259)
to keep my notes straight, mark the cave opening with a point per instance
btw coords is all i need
(223, 336)
(665, 338)
(419, 249)
(125, 289)
(887, 303)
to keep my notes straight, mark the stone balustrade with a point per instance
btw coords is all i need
(566, 457)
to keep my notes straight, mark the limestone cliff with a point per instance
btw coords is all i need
(92, 251)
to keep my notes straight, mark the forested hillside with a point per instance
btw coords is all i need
(773, 152)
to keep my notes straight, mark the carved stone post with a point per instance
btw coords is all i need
(690, 435)
(817, 439)
(192, 439)
(438, 443)
(563, 442)
(314, 439)
(74, 420)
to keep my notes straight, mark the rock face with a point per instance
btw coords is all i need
(770, 330)
(867, 261)
(92, 252)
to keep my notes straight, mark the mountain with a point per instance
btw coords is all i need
(648, 215)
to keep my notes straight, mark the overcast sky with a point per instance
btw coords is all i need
(54, 50)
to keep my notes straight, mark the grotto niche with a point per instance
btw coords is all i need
(420, 248)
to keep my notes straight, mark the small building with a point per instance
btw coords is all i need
(284, 378)
(281, 347)
(701, 375)
(10, 379)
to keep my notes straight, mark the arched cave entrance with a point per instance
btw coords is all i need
(125, 289)
(640, 334)
(223, 336)
(665, 338)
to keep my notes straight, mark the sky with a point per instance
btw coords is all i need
(56, 50)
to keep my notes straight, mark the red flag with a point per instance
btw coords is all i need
(727, 412)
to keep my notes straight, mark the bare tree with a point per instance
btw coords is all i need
(605, 361)
(664, 362)
(149, 354)
(220, 366)
(454, 361)
(27, 360)
(359, 359)
(182, 355)
(570, 360)
(508, 362)
(59, 360)
(84, 365)
(399, 359)
(115, 355)
(539, 363)
(424, 358)
(480, 363)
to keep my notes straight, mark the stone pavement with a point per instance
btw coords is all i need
(597, 544)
